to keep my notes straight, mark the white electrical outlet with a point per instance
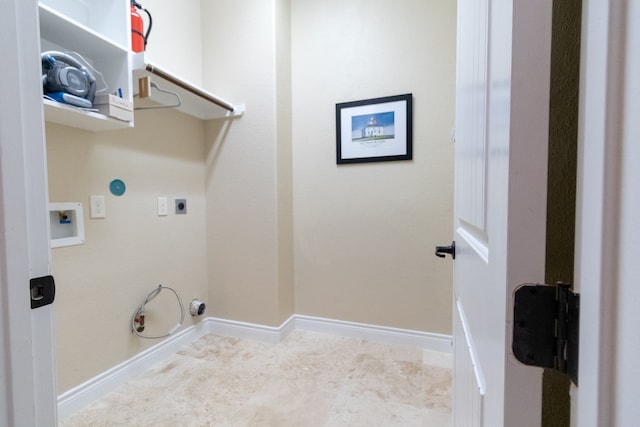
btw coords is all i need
(98, 207)
(163, 207)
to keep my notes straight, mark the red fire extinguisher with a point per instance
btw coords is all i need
(138, 36)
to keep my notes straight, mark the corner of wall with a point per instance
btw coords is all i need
(286, 289)
(248, 180)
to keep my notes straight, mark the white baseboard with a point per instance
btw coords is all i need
(80, 396)
(252, 331)
(98, 386)
(381, 334)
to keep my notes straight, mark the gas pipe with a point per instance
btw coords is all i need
(137, 30)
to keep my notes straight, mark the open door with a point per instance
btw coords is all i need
(27, 386)
(502, 112)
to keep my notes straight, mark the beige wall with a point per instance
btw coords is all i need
(132, 250)
(274, 226)
(286, 292)
(246, 59)
(365, 234)
(175, 41)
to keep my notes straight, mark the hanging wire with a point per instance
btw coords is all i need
(140, 311)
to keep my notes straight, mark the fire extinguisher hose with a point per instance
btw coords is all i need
(146, 34)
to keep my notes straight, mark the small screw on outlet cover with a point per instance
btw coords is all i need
(181, 206)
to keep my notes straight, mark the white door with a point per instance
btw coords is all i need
(502, 110)
(27, 392)
(608, 224)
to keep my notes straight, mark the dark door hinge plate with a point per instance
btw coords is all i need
(43, 291)
(546, 327)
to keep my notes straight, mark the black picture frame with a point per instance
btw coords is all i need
(375, 130)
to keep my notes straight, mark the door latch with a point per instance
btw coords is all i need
(43, 291)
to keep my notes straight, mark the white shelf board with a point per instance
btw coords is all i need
(68, 115)
(196, 101)
(56, 27)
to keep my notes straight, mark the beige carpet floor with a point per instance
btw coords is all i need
(308, 380)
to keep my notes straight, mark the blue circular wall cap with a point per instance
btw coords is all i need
(117, 187)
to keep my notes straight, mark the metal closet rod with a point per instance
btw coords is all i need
(163, 74)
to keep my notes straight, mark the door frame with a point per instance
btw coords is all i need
(27, 393)
(601, 142)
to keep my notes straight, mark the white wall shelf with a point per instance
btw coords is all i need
(56, 27)
(56, 112)
(109, 18)
(100, 33)
(195, 100)
(71, 26)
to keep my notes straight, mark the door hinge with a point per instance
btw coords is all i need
(546, 327)
(43, 291)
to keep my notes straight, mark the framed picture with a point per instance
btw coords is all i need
(374, 130)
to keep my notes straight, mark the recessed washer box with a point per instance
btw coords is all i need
(66, 224)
